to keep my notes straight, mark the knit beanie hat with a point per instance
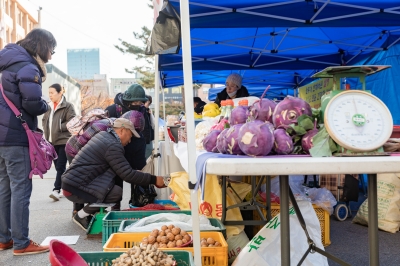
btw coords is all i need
(136, 118)
(134, 93)
(235, 79)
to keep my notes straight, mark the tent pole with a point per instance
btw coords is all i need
(191, 146)
(157, 112)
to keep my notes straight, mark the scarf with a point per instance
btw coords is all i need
(42, 66)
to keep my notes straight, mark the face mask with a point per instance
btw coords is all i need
(135, 107)
(232, 94)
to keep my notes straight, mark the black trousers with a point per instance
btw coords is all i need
(75, 206)
(113, 196)
(60, 164)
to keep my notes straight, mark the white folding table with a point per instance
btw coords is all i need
(285, 166)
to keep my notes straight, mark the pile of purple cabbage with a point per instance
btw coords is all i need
(266, 128)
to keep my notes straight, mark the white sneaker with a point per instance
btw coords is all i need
(60, 195)
(55, 195)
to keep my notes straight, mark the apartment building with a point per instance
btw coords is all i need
(16, 19)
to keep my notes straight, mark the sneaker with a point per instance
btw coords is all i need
(32, 248)
(7, 245)
(55, 195)
(82, 222)
(60, 195)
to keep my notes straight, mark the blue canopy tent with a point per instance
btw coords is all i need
(271, 35)
(305, 37)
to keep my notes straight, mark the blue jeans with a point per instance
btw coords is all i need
(15, 194)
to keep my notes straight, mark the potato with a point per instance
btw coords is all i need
(164, 227)
(210, 241)
(164, 240)
(171, 236)
(178, 237)
(171, 226)
(171, 244)
(151, 239)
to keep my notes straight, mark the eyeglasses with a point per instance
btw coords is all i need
(52, 52)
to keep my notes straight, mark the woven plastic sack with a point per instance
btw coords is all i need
(388, 204)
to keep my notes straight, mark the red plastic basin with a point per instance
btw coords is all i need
(62, 255)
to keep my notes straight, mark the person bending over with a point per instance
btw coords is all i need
(91, 176)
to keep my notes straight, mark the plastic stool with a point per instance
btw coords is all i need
(96, 224)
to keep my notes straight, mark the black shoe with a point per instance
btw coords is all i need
(82, 222)
(116, 207)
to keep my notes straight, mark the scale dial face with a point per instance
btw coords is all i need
(358, 121)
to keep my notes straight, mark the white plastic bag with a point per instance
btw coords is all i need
(156, 221)
(265, 248)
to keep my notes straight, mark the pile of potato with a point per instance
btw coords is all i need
(171, 237)
(168, 237)
(145, 255)
(209, 242)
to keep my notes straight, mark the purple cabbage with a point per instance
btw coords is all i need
(307, 140)
(210, 141)
(221, 141)
(262, 110)
(283, 144)
(256, 138)
(287, 111)
(231, 140)
(238, 115)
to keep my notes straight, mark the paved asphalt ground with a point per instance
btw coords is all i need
(49, 218)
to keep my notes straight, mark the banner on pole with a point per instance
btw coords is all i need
(313, 92)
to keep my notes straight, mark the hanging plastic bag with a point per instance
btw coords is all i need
(265, 248)
(212, 206)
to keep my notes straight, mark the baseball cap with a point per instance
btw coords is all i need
(125, 123)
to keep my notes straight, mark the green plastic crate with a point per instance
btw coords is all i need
(183, 258)
(113, 220)
(214, 222)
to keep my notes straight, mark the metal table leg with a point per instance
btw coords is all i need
(223, 218)
(373, 220)
(284, 212)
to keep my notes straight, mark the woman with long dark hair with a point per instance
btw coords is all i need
(23, 71)
(54, 124)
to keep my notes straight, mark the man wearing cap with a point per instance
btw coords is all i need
(91, 176)
(234, 89)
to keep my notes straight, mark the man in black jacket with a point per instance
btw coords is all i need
(135, 152)
(91, 176)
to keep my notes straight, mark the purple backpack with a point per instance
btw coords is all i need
(41, 152)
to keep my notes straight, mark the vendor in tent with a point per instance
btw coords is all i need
(198, 105)
(234, 89)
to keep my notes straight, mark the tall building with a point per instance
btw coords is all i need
(16, 20)
(83, 64)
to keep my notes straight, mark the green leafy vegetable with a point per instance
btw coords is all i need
(323, 145)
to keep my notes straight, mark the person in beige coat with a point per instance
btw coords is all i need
(54, 124)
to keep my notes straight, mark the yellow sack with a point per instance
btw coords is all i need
(212, 205)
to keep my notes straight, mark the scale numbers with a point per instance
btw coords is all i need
(358, 121)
